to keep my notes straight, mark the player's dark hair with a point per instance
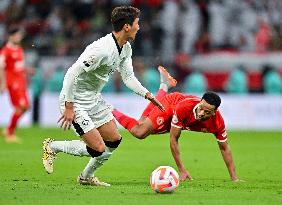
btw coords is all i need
(212, 98)
(13, 29)
(123, 15)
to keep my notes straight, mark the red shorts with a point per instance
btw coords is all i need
(18, 95)
(161, 120)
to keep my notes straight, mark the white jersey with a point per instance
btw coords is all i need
(86, 78)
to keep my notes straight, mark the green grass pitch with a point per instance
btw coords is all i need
(257, 155)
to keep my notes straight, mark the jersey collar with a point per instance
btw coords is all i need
(119, 48)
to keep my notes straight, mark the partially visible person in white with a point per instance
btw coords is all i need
(190, 22)
(169, 16)
(218, 23)
(80, 100)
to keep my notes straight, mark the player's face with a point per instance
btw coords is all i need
(17, 37)
(204, 110)
(132, 30)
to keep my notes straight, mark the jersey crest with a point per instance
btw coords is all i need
(160, 120)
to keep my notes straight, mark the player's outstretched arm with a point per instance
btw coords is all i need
(174, 147)
(133, 83)
(228, 159)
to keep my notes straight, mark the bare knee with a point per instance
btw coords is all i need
(22, 109)
(100, 147)
(116, 137)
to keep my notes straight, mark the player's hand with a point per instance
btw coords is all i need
(68, 117)
(150, 97)
(184, 175)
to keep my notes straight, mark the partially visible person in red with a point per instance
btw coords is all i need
(13, 78)
(263, 37)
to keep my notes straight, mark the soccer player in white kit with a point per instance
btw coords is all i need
(81, 103)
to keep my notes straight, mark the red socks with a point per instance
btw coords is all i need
(126, 121)
(160, 94)
(14, 121)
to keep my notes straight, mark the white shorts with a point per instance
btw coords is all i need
(88, 119)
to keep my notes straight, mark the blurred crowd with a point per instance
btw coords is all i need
(172, 31)
(65, 27)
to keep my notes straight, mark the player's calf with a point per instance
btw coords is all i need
(140, 132)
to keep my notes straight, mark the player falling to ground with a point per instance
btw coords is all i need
(80, 100)
(182, 112)
(14, 73)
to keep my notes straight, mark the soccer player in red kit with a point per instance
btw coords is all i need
(12, 65)
(182, 112)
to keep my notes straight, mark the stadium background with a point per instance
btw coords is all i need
(232, 47)
(221, 45)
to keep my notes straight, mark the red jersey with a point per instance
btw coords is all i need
(181, 113)
(13, 59)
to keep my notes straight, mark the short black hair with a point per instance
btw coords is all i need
(123, 15)
(13, 29)
(212, 98)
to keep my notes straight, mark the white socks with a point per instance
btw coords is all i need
(95, 163)
(164, 86)
(78, 148)
(73, 147)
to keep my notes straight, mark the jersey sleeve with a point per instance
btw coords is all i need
(220, 133)
(93, 56)
(128, 77)
(70, 80)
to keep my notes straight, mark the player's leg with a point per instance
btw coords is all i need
(104, 121)
(20, 102)
(166, 82)
(93, 144)
(144, 127)
(112, 139)
(138, 129)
